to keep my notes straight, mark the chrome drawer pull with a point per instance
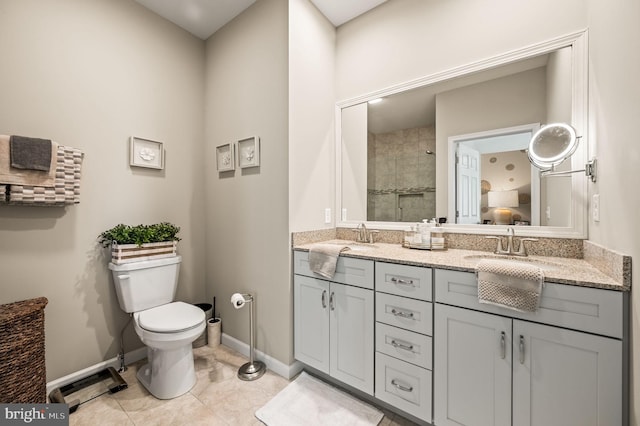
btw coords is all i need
(503, 345)
(401, 281)
(402, 314)
(331, 305)
(324, 299)
(402, 346)
(521, 349)
(401, 387)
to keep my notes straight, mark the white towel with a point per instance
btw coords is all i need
(323, 258)
(508, 284)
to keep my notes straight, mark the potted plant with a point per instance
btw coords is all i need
(140, 242)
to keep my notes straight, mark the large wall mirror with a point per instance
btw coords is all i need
(453, 146)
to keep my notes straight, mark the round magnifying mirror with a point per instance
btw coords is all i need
(551, 145)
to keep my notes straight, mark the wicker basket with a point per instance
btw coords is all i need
(23, 377)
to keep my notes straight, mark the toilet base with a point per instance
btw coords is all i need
(169, 373)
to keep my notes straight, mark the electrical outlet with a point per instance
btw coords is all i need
(327, 215)
(343, 217)
(595, 207)
(548, 212)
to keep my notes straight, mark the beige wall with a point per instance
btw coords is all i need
(510, 101)
(90, 74)
(311, 117)
(614, 57)
(247, 210)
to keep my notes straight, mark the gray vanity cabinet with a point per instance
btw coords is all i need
(404, 330)
(510, 368)
(333, 320)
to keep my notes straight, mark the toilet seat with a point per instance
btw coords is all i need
(170, 318)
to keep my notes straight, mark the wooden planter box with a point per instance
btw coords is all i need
(127, 253)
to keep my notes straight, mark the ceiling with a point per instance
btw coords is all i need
(202, 18)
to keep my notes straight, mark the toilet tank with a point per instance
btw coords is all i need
(146, 284)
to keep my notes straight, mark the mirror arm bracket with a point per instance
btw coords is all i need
(590, 170)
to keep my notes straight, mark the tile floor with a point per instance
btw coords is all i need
(218, 397)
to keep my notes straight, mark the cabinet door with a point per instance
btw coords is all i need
(564, 377)
(311, 322)
(472, 368)
(352, 328)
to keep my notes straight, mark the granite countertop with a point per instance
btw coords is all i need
(556, 269)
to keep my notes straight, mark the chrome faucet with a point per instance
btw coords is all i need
(510, 251)
(364, 235)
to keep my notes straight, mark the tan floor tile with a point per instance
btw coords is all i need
(103, 410)
(185, 409)
(219, 397)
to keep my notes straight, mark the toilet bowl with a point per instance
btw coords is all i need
(146, 290)
(168, 332)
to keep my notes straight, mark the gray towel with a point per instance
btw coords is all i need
(509, 284)
(30, 153)
(323, 258)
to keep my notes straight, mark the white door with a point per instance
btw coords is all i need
(565, 378)
(311, 322)
(468, 185)
(472, 368)
(352, 327)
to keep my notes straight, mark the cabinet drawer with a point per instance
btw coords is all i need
(404, 386)
(410, 314)
(357, 272)
(405, 345)
(580, 308)
(404, 280)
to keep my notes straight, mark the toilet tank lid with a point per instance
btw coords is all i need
(143, 264)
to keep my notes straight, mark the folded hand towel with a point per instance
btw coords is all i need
(510, 285)
(31, 153)
(15, 176)
(323, 258)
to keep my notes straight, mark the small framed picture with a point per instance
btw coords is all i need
(249, 152)
(146, 153)
(224, 158)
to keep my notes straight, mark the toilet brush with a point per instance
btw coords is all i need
(253, 369)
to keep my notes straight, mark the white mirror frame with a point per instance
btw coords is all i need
(579, 58)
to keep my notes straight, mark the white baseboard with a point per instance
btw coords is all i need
(286, 371)
(281, 369)
(129, 357)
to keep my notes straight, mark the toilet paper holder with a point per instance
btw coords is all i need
(253, 369)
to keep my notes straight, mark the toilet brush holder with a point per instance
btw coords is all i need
(253, 369)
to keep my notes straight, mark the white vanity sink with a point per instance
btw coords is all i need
(543, 264)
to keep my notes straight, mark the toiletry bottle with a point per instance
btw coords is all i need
(417, 237)
(425, 233)
(408, 237)
(437, 238)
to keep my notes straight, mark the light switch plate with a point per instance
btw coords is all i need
(327, 215)
(595, 207)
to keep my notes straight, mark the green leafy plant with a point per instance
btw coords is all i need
(140, 234)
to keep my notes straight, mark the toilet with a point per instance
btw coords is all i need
(146, 289)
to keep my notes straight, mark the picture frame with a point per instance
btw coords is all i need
(224, 157)
(146, 153)
(249, 152)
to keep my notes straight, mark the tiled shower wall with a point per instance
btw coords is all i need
(401, 176)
